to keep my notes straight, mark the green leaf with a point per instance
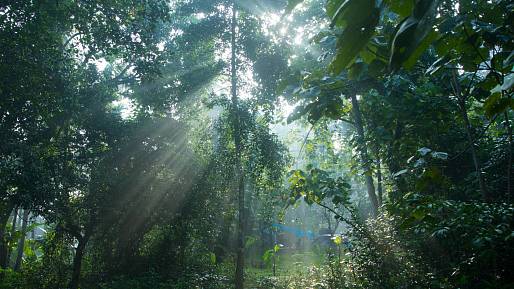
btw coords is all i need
(438, 64)
(332, 6)
(496, 104)
(356, 70)
(399, 173)
(297, 113)
(353, 40)
(266, 257)
(250, 240)
(419, 214)
(376, 68)
(339, 13)
(422, 47)
(413, 36)
(508, 82)
(400, 7)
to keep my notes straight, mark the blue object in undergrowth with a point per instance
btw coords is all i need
(298, 233)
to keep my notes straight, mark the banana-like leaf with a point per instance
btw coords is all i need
(413, 36)
(354, 38)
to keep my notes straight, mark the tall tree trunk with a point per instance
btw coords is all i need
(77, 263)
(364, 155)
(379, 183)
(236, 122)
(394, 166)
(474, 155)
(13, 231)
(469, 134)
(509, 158)
(21, 242)
(5, 212)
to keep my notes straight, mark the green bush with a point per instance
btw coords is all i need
(470, 243)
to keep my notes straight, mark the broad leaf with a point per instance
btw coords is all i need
(496, 104)
(353, 40)
(413, 36)
(400, 7)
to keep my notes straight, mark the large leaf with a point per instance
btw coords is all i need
(420, 48)
(400, 7)
(496, 104)
(332, 6)
(352, 13)
(438, 64)
(413, 35)
(354, 39)
(508, 82)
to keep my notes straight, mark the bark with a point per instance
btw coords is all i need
(469, 134)
(363, 150)
(379, 183)
(474, 155)
(240, 262)
(5, 212)
(13, 231)
(394, 166)
(21, 242)
(509, 158)
(77, 263)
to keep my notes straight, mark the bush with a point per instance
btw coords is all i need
(470, 243)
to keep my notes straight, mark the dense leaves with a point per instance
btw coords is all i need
(207, 144)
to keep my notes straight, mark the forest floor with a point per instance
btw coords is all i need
(288, 266)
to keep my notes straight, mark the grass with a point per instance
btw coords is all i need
(287, 264)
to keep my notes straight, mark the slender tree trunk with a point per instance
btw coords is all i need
(236, 122)
(474, 155)
(13, 231)
(5, 212)
(327, 216)
(364, 155)
(509, 160)
(469, 133)
(77, 263)
(393, 165)
(379, 183)
(21, 242)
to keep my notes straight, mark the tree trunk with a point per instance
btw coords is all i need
(474, 155)
(509, 158)
(469, 133)
(394, 166)
(240, 262)
(364, 155)
(77, 263)
(5, 212)
(13, 231)
(379, 183)
(21, 242)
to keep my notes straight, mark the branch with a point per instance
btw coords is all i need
(476, 138)
(339, 216)
(71, 38)
(115, 79)
(303, 144)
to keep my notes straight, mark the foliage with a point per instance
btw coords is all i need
(148, 142)
(483, 231)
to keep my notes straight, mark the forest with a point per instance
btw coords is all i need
(256, 144)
